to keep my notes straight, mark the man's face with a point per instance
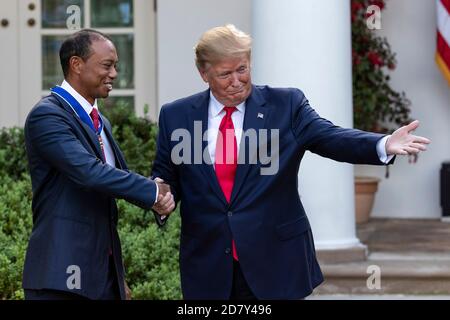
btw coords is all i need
(98, 72)
(229, 80)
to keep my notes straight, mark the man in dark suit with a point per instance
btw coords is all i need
(244, 233)
(77, 171)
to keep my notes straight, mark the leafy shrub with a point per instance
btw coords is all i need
(377, 106)
(150, 253)
(15, 229)
(13, 159)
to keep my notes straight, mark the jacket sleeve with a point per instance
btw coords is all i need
(163, 167)
(325, 139)
(51, 134)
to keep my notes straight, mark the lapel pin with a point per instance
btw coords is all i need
(260, 115)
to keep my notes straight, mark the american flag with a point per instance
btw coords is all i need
(443, 37)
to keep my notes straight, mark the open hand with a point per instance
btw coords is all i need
(402, 142)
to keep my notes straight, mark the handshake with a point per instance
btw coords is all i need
(165, 203)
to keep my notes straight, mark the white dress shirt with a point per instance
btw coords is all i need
(216, 113)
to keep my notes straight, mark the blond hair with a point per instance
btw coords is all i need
(219, 43)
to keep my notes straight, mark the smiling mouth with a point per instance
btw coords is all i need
(109, 85)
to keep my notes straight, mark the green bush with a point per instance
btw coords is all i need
(150, 253)
(13, 159)
(15, 228)
(377, 106)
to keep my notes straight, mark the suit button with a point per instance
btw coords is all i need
(227, 250)
(230, 213)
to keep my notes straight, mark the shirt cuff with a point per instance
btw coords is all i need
(381, 150)
(157, 193)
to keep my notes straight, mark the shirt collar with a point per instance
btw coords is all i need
(215, 107)
(81, 100)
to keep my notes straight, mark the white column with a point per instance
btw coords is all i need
(307, 45)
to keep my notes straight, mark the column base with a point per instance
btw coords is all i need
(354, 253)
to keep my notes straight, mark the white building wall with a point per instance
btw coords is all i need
(412, 190)
(180, 24)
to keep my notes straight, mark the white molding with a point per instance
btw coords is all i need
(9, 64)
(30, 58)
(145, 58)
(87, 13)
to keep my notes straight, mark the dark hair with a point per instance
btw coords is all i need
(79, 44)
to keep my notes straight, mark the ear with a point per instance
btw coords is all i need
(76, 64)
(204, 75)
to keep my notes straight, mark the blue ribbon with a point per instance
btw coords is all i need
(76, 106)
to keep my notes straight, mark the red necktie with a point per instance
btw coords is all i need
(94, 117)
(226, 158)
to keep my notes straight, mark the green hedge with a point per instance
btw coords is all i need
(15, 227)
(13, 159)
(150, 253)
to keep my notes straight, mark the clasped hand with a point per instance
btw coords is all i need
(165, 203)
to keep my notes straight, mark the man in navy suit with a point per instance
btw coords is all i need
(77, 171)
(244, 233)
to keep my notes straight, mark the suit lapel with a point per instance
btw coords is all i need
(256, 114)
(90, 134)
(200, 113)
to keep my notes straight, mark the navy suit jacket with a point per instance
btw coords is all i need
(74, 210)
(265, 217)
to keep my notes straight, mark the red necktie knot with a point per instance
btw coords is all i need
(227, 123)
(229, 110)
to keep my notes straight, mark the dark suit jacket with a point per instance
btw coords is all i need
(74, 210)
(265, 217)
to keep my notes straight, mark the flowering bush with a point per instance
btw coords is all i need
(377, 107)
